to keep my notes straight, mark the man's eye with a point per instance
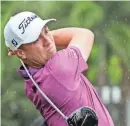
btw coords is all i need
(47, 31)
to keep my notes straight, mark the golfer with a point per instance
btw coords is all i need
(59, 74)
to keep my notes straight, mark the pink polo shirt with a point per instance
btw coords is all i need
(62, 80)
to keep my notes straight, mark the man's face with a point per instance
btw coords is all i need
(37, 53)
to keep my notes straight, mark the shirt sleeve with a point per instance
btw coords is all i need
(67, 64)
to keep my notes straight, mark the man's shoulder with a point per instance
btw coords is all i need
(64, 57)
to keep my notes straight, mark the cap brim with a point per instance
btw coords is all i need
(34, 32)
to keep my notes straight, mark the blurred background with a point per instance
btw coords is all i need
(109, 63)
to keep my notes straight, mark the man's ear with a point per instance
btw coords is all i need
(20, 53)
(10, 52)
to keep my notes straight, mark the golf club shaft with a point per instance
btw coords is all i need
(42, 93)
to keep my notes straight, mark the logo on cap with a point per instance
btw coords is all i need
(24, 24)
(14, 43)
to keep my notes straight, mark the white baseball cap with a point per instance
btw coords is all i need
(23, 28)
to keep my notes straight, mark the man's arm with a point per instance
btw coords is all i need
(79, 37)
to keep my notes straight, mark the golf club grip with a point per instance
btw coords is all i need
(43, 94)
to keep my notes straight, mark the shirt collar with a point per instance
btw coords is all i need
(24, 74)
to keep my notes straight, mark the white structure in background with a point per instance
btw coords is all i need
(111, 94)
(128, 112)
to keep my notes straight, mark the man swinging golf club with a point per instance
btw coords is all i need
(53, 79)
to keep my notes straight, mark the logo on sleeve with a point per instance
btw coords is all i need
(74, 53)
(14, 43)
